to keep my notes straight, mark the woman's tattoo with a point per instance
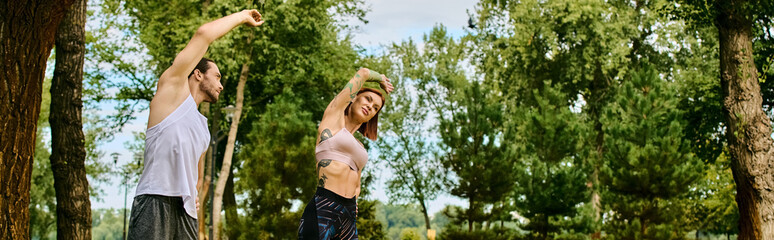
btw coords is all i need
(353, 92)
(350, 89)
(325, 135)
(321, 182)
(323, 163)
(374, 75)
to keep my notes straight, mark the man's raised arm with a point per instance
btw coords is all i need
(187, 59)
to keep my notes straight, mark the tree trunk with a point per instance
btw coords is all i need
(595, 198)
(68, 153)
(599, 87)
(225, 168)
(748, 129)
(424, 212)
(229, 203)
(204, 108)
(470, 214)
(544, 228)
(27, 31)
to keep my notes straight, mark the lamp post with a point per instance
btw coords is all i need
(115, 163)
(137, 159)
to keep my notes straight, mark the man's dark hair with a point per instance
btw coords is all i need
(203, 66)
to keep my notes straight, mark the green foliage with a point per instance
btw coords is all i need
(457, 234)
(700, 14)
(116, 59)
(108, 223)
(418, 175)
(705, 12)
(368, 225)
(522, 104)
(470, 121)
(696, 79)
(163, 30)
(588, 48)
(474, 155)
(401, 217)
(763, 50)
(409, 234)
(278, 168)
(134, 167)
(649, 167)
(42, 194)
(715, 208)
(551, 186)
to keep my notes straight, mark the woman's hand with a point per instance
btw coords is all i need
(386, 84)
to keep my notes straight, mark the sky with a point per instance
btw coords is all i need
(389, 21)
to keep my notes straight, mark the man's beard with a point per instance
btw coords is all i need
(212, 96)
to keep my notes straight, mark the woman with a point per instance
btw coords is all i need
(332, 212)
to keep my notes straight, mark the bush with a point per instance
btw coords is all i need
(492, 234)
(409, 234)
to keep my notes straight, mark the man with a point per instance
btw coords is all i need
(165, 203)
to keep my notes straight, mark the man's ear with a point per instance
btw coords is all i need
(198, 75)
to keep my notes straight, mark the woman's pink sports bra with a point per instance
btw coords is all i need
(343, 147)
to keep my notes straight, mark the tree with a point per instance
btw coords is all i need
(368, 224)
(470, 135)
(404, 147)
(42, 193)
(399, 217)
(117, 59)
(225, 170)
(272, 176)
(748, 128)
(409, 234)
(68, 155)
(717, 211)
(470, 121)
(649, 167)
(107, 224)
(25, 49)
(588, 46)
(551, 184)
(696, 77)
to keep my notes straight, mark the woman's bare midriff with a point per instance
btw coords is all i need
(340, 179)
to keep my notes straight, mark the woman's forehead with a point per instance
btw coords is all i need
(375, 96)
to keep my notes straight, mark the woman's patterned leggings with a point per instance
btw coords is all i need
(329, 216)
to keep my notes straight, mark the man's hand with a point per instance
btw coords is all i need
(253, 18)
(197, 203)
(386, 84)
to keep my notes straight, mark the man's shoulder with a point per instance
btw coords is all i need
(165, 101)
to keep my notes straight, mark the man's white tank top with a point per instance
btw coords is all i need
(172, 151)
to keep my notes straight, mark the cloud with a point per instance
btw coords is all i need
(397, 20)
